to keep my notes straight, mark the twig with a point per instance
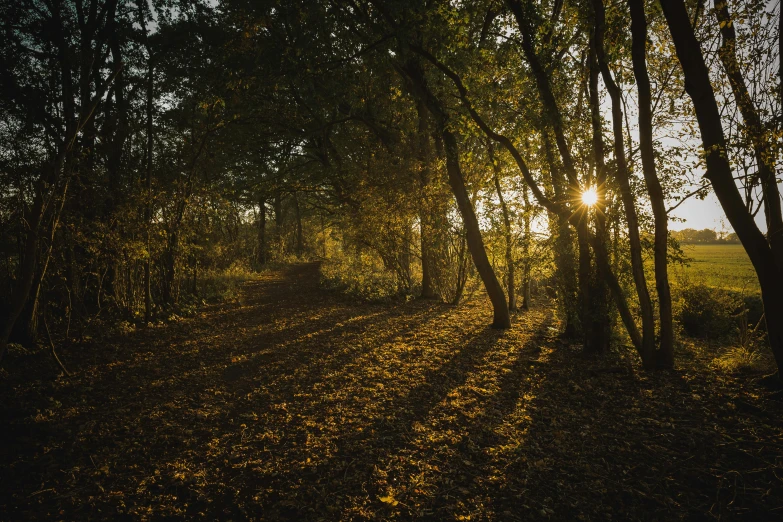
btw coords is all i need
(54, 353)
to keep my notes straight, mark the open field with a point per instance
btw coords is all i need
(719, 266)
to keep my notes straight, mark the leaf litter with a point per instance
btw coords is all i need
(297, 404)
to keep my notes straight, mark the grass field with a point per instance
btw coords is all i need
(719, 266)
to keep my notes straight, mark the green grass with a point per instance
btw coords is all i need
(717, 266)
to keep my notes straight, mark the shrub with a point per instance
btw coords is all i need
(362, 278)
(739, 359)
(704, 311)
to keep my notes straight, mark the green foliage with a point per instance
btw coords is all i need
(363, 277)
(704, 311)
(718, 313)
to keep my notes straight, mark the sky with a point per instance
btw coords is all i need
(700, 214)
(708, 213)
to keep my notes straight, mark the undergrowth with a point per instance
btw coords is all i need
(364, 278)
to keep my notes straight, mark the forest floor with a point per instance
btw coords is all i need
(294, 403)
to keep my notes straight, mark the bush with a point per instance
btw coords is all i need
(704, 311)
(362, 278)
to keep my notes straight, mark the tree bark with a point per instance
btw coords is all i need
(526, 297)
(502, 318)
(424, 154)
(623, 179)
(600, 324)
(699, 89)
(261, 256)
(665, 354)
(507, 235)
(299, 233)
(278, 210)
(148, 194)
(762, 147)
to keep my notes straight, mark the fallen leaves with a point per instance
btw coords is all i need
(389, 499)
(302, 406)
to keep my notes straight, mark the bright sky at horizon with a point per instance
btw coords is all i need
(707, 213)
(700, 214)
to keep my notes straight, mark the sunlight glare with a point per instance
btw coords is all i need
(589, 197)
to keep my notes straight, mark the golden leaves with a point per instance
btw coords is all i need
(389, 499)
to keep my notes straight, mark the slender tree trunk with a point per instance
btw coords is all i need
(585, 297)
(261, 257)
(502, 318)
(299, 233)
(406, 256)
(623, 179)
(29, 335)
(507, 235)
(526, 297)
(699, 88)
(555, 119)
(170, 266)
(148, 195)
(565, 266)
(427, 235)
(26, 270)
(665, 355)
(600, 324)
(278, 209)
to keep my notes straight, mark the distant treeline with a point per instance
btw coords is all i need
(706, 236)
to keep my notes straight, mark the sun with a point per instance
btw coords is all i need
(589, 197)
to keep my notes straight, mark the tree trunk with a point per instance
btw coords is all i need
(526, 297)
(299, 233)
(600, 324)
(699, 88)
(148, 195)
(565, 267)
(26, 270)
(507, 235)
(170, 267)
(261, 256)
(278, 209)
(762, 148)
(427, 235)
(585, 297)
(665, 354)
(405, 257)
(502, 318)
(623, 179)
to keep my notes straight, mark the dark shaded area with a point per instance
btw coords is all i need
(295, 404)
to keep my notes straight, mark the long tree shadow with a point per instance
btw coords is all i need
(357, 456)
(297, 405)
(362, 451)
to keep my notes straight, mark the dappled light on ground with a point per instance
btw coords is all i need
(297, 404)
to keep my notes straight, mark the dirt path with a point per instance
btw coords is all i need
(296, 404)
